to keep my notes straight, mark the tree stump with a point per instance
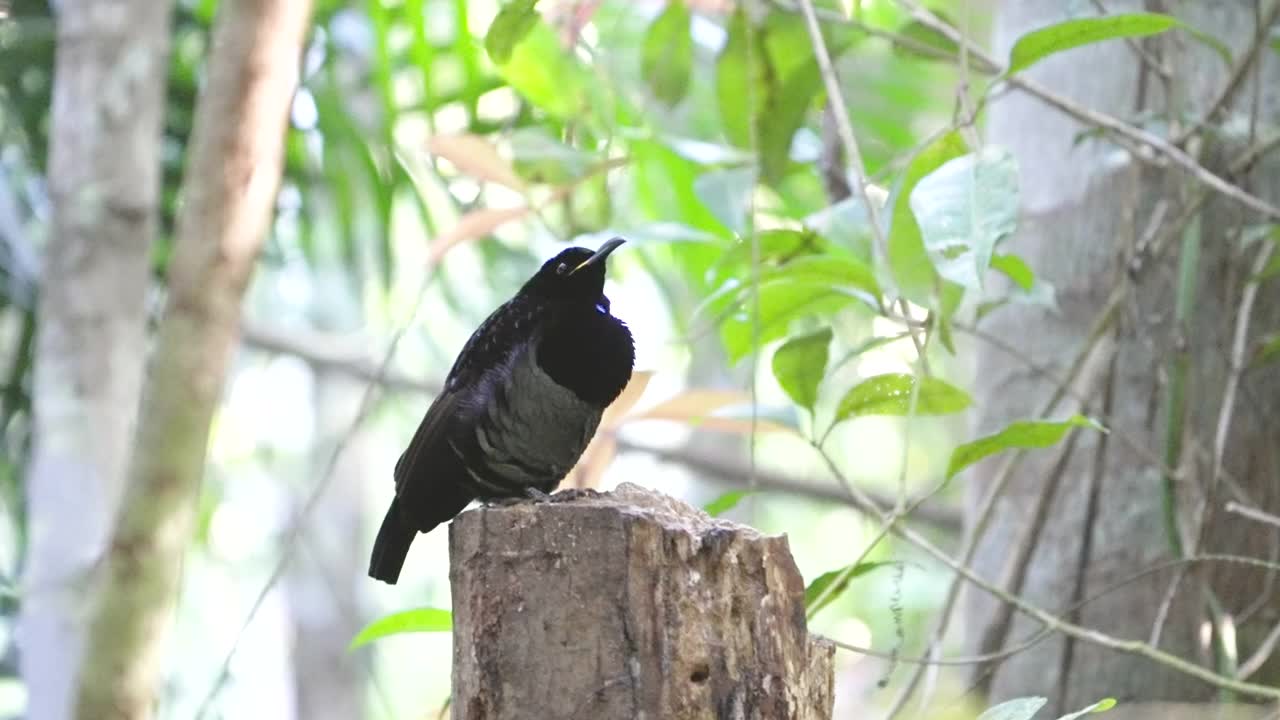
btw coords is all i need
(629, 605)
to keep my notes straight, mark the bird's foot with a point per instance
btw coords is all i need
(505, 501)
(536, 495)
(571, 494)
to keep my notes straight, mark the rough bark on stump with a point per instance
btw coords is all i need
(628, 605)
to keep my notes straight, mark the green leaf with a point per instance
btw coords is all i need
(1271, 270)
(547, 75)
(846, 574)
(1020, 709)
(890, 394)
(514, 21)
(799, 365)
(1024, 434)
(727, 501)
(667, 55)
(734, 79)
(1040, 44)
(780, 302)
(1269, 351)
(963, 209)
(926, 36)
(908, 258)
(1102, 705)
(1016, 269)
(425, 619)
(786, 103)
(1030, 289)
(837, 271)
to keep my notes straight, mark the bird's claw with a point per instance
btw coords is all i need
(536, 495)
(571, 494)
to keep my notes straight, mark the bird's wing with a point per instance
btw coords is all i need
(430, 444)
(491, 343)
(431, 480)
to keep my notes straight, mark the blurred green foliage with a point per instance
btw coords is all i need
(696, 132)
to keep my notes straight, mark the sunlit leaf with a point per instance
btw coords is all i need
(833, 270)
(725, 502)
(473, 226)
(1029, 288)
(890, 394)
(799, 365)
(908, 259)
(424, 619)
(1022, 434)
(1016, 269)
(814, 599)
(475, 157)
(1019, 709)
(667, 54)
(513, 23)
(1039, 44)
(963, 208)
(547, 75)
(1101, 706)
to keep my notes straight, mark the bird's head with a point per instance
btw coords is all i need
(576, 273)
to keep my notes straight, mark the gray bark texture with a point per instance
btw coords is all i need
(1086, 204)
(235, 157)
(629, 605)
(104, 184)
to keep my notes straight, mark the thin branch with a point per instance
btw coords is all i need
(940, 515)
(1236, 77)
(294, 535)
(1102, 120)
(1049, 620)
(1254, 514)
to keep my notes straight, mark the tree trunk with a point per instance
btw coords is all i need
(234, 168)
(1086, 205)
(628, 605)
(104, 183)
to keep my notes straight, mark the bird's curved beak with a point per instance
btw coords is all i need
(601, 254)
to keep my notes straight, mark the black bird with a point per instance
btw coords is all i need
(519, 406)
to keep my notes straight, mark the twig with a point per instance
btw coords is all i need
(1102, 120)
(1014, 574)
(295, 532)
(1253, 514)
(941, 516)
(1049, 620)
(1236, 77)
(1085, 555)
(1261, 655)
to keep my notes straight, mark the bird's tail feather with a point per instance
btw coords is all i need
(391, 546)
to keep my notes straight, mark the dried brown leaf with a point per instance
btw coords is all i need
(475, 157)
(472, 226)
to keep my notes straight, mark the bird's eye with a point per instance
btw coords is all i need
(561, 268)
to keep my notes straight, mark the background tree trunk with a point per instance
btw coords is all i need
(234, 166)
(104, 163)
(1085, 208)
